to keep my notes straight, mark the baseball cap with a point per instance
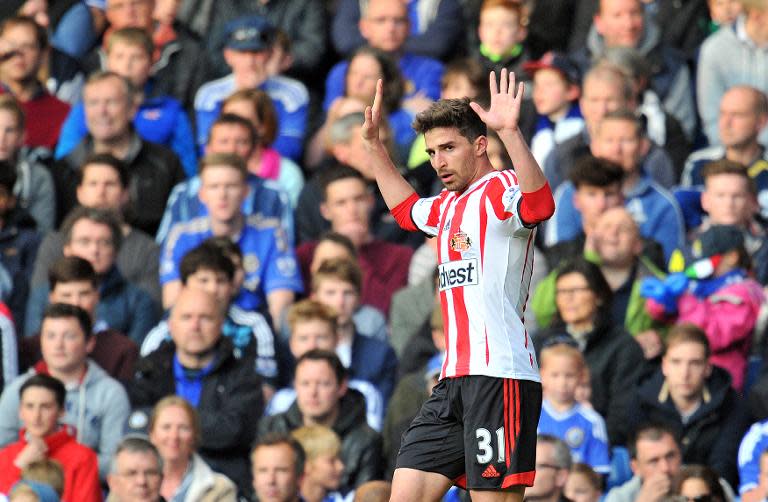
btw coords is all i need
(554, 60)
(434, 366)
(718, 239)
(249, 33)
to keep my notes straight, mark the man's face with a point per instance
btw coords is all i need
(131, 62)
(617, 240)
(347, 205)
(63, 344)
(214, 283)
(311, 334)
(739, 123)
(453, 157)
(685, 367)
(274, 474)
(11, 136)
(341, 296)
(81, 294)
(724, 11)
(39, 412)
(222, 190)
(661, 457)
(27, 58)
(592, 201)
(551, 92)
(195, 323)
(727, 200)
(129, 13)
(500, 29)
(317, 390)
(619, 141)
(385, 26)
(135, 477)
(249, 67)
(550, 478)
(108, 109)
(598, 97)
(325, 470)
(230, 138)
(92, 241)
(101, 188)
(620, 22)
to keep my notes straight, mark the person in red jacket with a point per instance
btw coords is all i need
(40, 409)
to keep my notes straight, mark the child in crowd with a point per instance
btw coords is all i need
(502, 31)
(555, 95)
(41, 407)
(323, 466)
(46, 471)
(723, 13)
(584, 484)
(582, 428)
(161, 119)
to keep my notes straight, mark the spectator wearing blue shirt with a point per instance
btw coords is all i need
(384, 25)
(271, 271)
(265, 198)
(159, 119)
(619, 138)
(580, 426)
(247, 50)
(753, 462)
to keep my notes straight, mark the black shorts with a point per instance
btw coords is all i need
(478, 431)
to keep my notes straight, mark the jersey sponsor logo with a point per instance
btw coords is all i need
(490, 472)
(460, 242)
(458, 273)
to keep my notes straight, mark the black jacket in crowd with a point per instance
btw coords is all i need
(361, 446)
(231, 403)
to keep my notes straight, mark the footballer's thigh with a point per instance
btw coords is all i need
(411, 485)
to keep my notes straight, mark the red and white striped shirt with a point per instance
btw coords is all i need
(485, 256)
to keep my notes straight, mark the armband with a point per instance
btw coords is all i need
(537, 206)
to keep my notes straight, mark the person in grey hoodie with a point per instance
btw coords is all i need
(670, 77)
(96, 404)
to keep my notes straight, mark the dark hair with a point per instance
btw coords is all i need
(232, 119)
(7, 176)
(65, 311)
(394, 85)
(206, 256)
(594, 479)
(41, 34)
(280, 438)
(594, 277)
(725, 166)
(106, 159)
(100, 216)
(336, 173)
(265, 112)
(329, 357)
(703, 473)
(596, 172)
(654, 431)
(340, 239)
(451, 113)
(687, 333)
(47, 382)
(71, 269)
(226, 246)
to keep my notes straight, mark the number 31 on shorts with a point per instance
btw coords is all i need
(485, 448)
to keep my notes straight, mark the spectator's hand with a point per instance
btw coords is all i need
(279, 61)
(504, 112)
(33, 452)
(654, 488)
(417, 103)
(650, 342)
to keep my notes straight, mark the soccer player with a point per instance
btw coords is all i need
(478, 429)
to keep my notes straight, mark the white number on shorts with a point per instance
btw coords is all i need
(484, 445)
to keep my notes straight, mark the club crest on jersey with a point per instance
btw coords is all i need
(460, 242)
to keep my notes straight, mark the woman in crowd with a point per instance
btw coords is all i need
(698, 482)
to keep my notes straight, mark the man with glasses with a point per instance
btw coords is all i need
(136, 472)
(553, 462)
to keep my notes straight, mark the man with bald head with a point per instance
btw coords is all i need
(385, 25)
(199, 365)
(622, 23)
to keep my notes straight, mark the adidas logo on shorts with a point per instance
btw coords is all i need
(490, 472)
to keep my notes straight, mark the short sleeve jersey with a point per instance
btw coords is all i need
(583, 430)
(268, 259)
(485, 259)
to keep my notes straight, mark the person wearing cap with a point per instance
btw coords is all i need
(555, 95)
(248, 45)
(715, 293)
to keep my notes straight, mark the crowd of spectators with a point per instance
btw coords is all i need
(203, 295)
